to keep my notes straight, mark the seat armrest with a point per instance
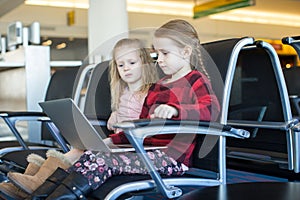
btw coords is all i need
(144, 128)
(44, 119)
(264, 124)
(12, 117)
(137, 130)
(20, 113)
(22, 116)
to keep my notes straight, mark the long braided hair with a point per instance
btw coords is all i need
(183, 34)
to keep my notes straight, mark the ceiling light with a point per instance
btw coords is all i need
(47, 43)
(149, 6)
(55, 3)
(259, 17)
(161, 7)
(61, 45)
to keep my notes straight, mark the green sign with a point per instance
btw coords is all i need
(217, 6)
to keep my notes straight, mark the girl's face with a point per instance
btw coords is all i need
(129, 65)
(171, 58)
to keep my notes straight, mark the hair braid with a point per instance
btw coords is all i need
(201, 67)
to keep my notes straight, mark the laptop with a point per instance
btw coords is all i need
(77, 129)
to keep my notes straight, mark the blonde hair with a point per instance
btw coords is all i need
(149, 71)
(184, 34)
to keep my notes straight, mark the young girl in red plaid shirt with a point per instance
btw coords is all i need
(184, 93)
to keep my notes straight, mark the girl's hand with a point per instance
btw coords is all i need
(111, 121)
(164, 111)
(110, 126)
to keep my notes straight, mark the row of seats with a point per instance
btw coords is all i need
(255, 123)
(261, 105)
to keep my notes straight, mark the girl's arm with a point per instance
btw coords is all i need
(203, 105)
(191, 100)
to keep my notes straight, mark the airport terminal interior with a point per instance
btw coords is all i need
(52, 50)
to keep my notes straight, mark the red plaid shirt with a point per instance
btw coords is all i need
(192, 96)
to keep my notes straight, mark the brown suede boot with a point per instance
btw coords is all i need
(29, 183)
(8, 189)
(35, 161)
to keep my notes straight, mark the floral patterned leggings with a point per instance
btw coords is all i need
(97, 168)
